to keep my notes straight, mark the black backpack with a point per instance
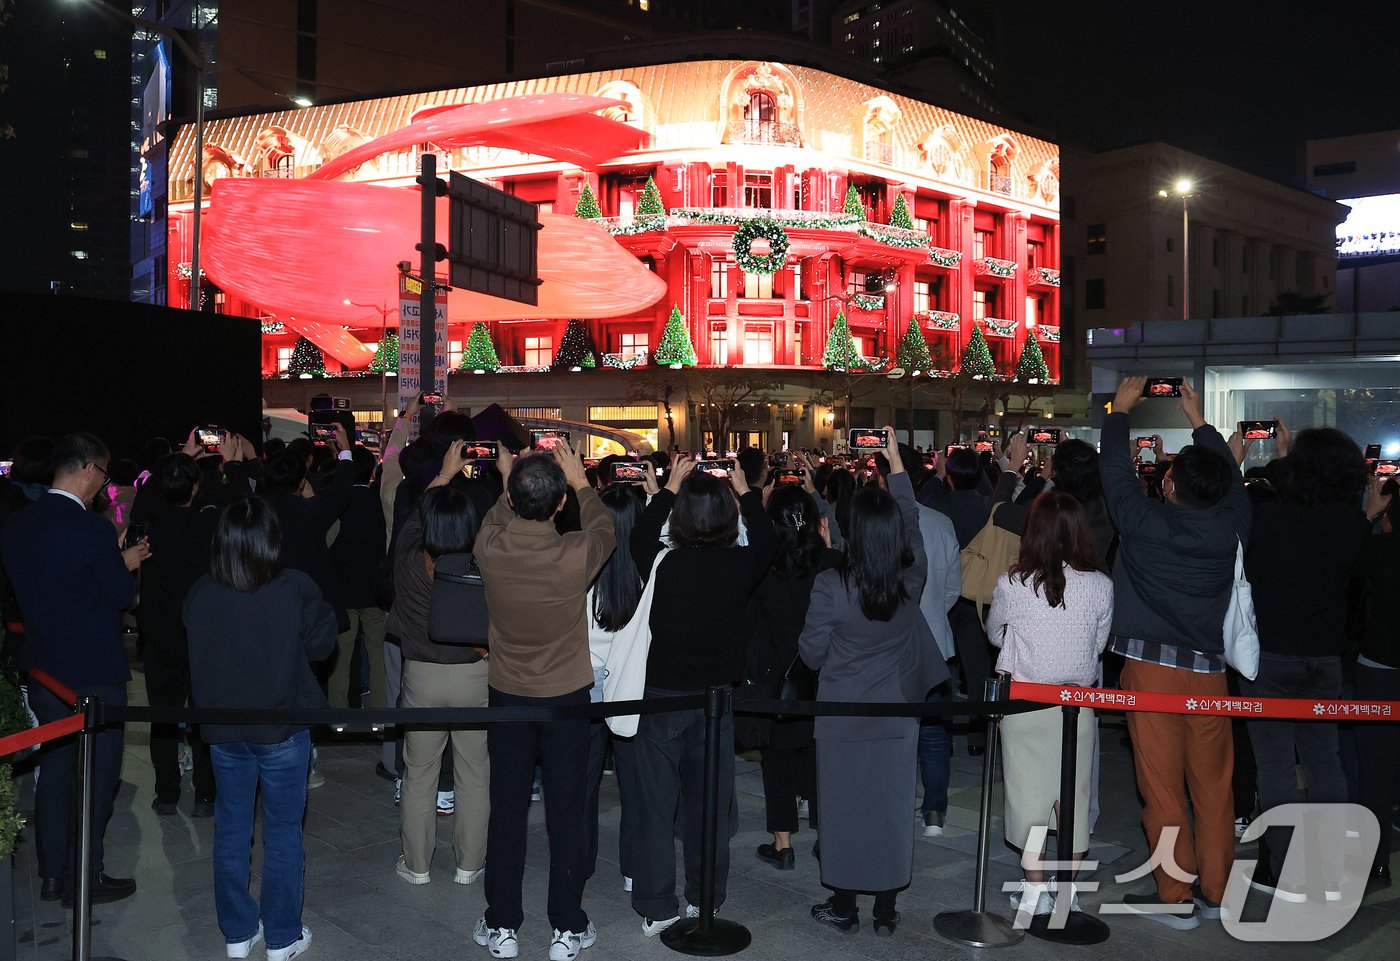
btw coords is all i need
(458, 614)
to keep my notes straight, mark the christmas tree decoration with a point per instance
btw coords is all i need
(386, 355)
(854, 208)
(1032, 367)
(899, 215)
(575, 348)
(675, 349)
(651, 213)
(841, 353)
(479, 354)
(746, 253)
(306, 360)
(977, 358)
(587, 206)
(913, 353)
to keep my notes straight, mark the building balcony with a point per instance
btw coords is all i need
(787, 217)
(1000, 185)
(939, 320)
(881, 153)
(894, 236)
(943, 257)
(1047, 334)
(1043, 277)
(994, 267)
(764, 132)
(997, 327)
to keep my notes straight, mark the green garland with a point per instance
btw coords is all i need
(1046, 275)
(702, 216)
(996, 267)
(1051, 335)
(905, 243)
(869, 301)
(940, 319)
(621, 361)
(944, 257)
(749, 232)
(274, 327)
(1000, 328)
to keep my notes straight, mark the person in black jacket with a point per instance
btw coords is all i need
(254, 631)
(185, 534)
(701, 592)
(357, 552)
(1301, 611)
(777, 612)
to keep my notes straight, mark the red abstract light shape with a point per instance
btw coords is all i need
(299, 248)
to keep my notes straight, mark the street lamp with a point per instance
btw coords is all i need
(384, 311)
(201, 67)
(1184, 188)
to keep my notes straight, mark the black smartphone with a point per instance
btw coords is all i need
(1044, 436)
(1147, 469)
(1162, 387)
(367, 436)
(627, 472)
(1387, 468)
(1258, 429)
(135, 534)
(322, 434)
(480, 450)
(548, 439)
(211, 439)
(868, 438)
(471, 469)
(719, 467)
(1373, 454)
(1145, 443)
(792, 475)
(951, 448)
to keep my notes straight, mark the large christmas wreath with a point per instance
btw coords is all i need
(768, 263)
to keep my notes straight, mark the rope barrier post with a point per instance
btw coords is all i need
(709, 936)
(88, 706)
(979, 928)
(1076, 927)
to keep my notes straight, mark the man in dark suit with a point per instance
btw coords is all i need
(72, 582)
(358, 552)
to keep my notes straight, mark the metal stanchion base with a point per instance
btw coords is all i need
(977, 929)
(724, 937)
(1079, 929)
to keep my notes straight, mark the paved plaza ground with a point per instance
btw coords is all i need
(359, 909)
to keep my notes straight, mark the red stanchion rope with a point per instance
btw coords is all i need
(59, 690)
(38, 735)
(1277, 708)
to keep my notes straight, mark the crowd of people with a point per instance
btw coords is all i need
(451, 574)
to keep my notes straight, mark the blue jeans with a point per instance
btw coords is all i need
(240, 767)
(934, 766)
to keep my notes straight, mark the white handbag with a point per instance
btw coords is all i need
(1241, 629)
(625, 670)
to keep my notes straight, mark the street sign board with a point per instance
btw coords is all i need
(492, 241)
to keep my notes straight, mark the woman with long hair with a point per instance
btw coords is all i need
(865, 633)
(612, 600)
(840, 488)
(777, 610)
(439, 675)
(702, 588)
(1050, 615)
(254, 631)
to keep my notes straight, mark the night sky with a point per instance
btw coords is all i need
(1242, 82)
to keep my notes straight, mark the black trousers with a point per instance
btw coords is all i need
(53, 798)
(975, 657)
(626, 766)
(1378, 748)
(562, 747)
(843, 902)
(168, 685)
(787, 774)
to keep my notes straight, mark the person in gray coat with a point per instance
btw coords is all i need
(867, 636)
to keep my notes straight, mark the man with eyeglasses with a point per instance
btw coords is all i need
(72, 581)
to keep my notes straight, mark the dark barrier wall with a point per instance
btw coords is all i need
(126, 372)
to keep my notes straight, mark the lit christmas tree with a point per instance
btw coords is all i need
(913, 350)
(977, 358)
(479, 353)
(575, 349)
(307, 360)
(386, 355)
(651, 213)
(840, 353)
(899, 215)
(1032, 367)
(675, 349)
(587, 206)
(853, 205)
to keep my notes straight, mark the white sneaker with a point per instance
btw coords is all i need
(537, 792)
(398, 790)
(567, 944)
(292, 950)
(692, 910)
(626, 883)
(446, 803)
(467, 877)
(241, 949)
(412, 877)
(652, 928)
(1033, 898)
(500, 942)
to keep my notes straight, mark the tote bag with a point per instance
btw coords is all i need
(988, 556)
(625, 670)
(1241, 630)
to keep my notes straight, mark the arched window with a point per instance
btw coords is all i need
(760, 111)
